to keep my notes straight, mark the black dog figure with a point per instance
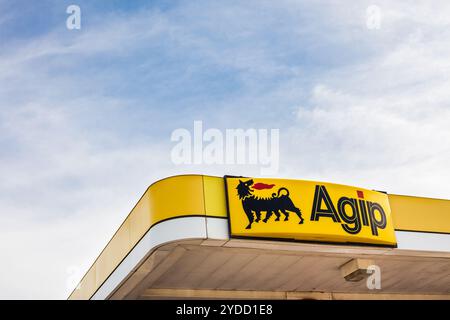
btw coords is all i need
(270, 205)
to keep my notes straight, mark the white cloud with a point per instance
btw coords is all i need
(65, 187)
(384, 122)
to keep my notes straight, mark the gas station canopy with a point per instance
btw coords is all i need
(195, 236)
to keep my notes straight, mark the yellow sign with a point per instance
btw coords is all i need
(308, 210)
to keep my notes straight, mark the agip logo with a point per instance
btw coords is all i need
(308, 210)
(253, 205)
(363, 213)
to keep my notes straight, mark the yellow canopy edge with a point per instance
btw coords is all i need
(188, 195)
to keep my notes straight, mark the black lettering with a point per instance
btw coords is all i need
(374, 223)
(321, 196)
(353, 219)
(362, 205)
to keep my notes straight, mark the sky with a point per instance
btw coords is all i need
(86, 115)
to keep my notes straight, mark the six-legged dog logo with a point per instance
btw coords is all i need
(279, 201)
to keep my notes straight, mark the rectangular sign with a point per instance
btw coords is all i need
(308, 210)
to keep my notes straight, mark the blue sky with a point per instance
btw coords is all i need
(86, 115)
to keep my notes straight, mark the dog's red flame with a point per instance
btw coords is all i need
(261, 186)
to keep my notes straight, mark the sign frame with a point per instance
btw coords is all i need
(306, 217)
